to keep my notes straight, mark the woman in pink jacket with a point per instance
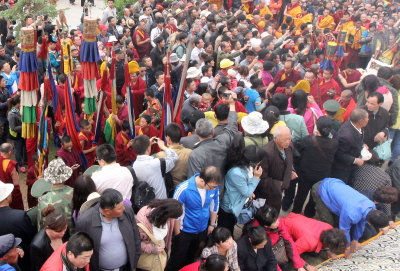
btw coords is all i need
(158, 218)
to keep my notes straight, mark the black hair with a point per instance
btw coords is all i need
(370, 83)
(271, 115)
(83, 187)
(202, 88)
(378, 219)
(174, 131)
(125, 125)
(110, 198)
(158, 73)
(385, 73)
(62, 77)
(140, 144)
(107, 153)
(299, 101)
(266, 215)
(257, 235)
(378, 95)
(78, 243)
(324, 126)
(162, 210)
(221, 111)
(219, 235)
(149, 92)
(15, 100)
(281, 101)
(211, 174)
(66, 139)
(119, 99)
(214, 262)
(386, 194)
(334, 239)
(268, 65)
(147, 118)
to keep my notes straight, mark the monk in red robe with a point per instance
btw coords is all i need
(31, 178)
(328, 88)
(86, 138)
(9, 174)
(122, 113)
(141, 40)
(146, 128)
(349, 78)
(284, 76)
(77, 85)
(123, 146)
(71, 158)
(138, 86)
(347, 102)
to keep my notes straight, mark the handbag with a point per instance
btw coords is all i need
(152, 262)
(247, 213)
(279, 250)
(383, 150)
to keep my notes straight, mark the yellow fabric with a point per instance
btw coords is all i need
(103, 67)
(308, 18)
(339, 115)
(6, 162)
(28, 130)
(133, 67)
(210, 115)
(357, 37)
(327, 22)
(66, 51)
(240, 116)
(303, 85)
(279, 123)
(347, 26)
(264, 11)
(397, 124)
(295, 12)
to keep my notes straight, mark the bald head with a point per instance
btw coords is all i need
(347, 92)
(282, 137)
(6, 148)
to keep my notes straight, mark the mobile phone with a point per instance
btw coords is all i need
(76, 165)
(155, 140)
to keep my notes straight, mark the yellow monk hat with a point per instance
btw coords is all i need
(133, 67)
(303, 85)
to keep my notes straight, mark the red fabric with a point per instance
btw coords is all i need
(138, 96)
(77, 81)
(355, 77)
(54, 262)
(125, 156)
(323, 96)
(5, 176)
(28, 81)
(143, 49)
(349, 108)
(89, 70)
(88, 138)
(298, 262)
(281, 90)
(238, 107)
(294, 76)
(107, 89)
(70, 159)
(150, 132)
(70, 125)
(122, 115)
(31, 178)
(305, 232)
(191, 267)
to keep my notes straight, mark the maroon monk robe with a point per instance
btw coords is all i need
(70, 159)
(7, 167)
(125, 155)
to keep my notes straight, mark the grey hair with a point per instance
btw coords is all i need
(204, 128)
(194, 98)
(278, 131)
(358, 114)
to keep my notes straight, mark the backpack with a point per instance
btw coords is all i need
(169, 183)
(142, 192)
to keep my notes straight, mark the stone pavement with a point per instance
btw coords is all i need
(73, 13)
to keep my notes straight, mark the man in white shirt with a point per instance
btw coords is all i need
(110, 11)
(157, 31)
(148, 168)
(111, 174)
(197, 50)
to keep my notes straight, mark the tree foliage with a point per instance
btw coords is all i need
(28, 7)
(121, 4)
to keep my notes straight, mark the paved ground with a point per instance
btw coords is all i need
(73, 13)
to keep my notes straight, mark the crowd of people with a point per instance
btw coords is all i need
(286, 139)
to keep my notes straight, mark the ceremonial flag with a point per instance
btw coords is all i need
(102, 98)
(129, 96)
(167, 113)
(110, 129)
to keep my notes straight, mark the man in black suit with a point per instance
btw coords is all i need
(16, 222)
(350, 137)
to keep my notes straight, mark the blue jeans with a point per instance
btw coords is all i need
(395, 136)
(20, 151)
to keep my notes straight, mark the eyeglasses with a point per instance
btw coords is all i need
(211, 187)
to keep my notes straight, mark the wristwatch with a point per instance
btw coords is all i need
(213, 225)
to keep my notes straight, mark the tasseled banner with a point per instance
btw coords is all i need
(327, 63)
(28, 82)
(89, 57)
(340, 51)
(43, 49)
(329, 54)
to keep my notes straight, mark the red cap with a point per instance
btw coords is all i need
(103, 27)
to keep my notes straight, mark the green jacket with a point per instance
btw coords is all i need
(61, 199)
(296, 124)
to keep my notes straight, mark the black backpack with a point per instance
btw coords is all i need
(142, 192)
(169, 183)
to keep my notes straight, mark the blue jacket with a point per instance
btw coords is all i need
(238, 188)
(195, 215)
(254, 102)
(351, 206)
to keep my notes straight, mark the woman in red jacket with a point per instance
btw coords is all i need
(73, 255)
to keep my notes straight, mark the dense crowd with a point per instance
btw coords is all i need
(222, 135)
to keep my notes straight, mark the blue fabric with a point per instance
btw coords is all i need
(196, 215)
(340, 51)
(28, 62)
(14, 76)
(53, 61)
(238, 188)
(98, 130)
(254, 103)
(89, 52)
(54, 89)
(326, 64)
(352, 214)
(365, 48)
(131, 112)
(6, 267)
